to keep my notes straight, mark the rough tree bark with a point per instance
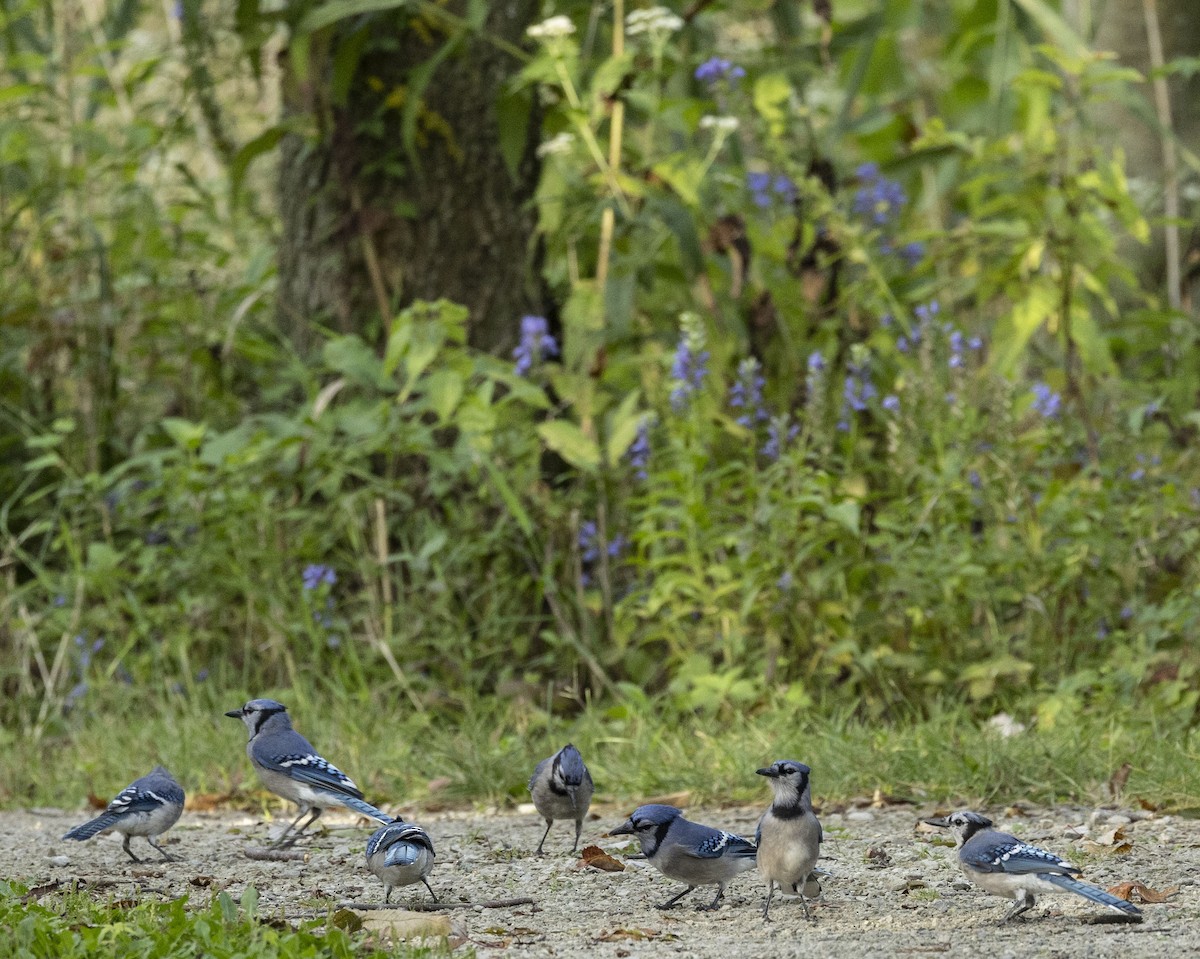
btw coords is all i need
(363, 223)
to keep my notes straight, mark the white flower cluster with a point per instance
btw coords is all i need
(652, 20)
(552, 29)
(721, 124)
(556, 145)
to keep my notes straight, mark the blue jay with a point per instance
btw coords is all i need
(289, 767)
(687, 851)
(400, 854)
(1004, 866)
(146, 807)
(561, 787)
(788, 835)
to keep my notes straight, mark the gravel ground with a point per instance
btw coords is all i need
(893, 890)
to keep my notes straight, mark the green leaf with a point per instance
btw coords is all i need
(184, 433)
(1054, 26)
(846, 514)
(683, 173)
(443, 389)
(327, 14)
(772, 96)
(623, 426)
(570, 442)
(355, 360)
(1028, 313)
(265, 142)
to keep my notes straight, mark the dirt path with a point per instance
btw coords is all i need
(893, 891)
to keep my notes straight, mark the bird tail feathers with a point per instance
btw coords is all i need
(365, 808)
(89, 829)
(1091, 892)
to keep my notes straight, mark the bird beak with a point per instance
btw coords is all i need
(769, 771)
(235, 713)
(625, 829)
(942, 823)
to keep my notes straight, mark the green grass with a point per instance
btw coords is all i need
(72, 926)
(483, 756)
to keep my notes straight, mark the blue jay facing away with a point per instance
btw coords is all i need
(1004, 866)
(289, 767)
(789, 835)
(687, 851)
(561, 787)
(146, 807)
(400, 854)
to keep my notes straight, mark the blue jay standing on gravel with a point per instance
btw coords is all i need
(400, 854)
(561, 787)
(146, 807)
(687, 851)
(289, 767)
(1004, 866)
(789, 835)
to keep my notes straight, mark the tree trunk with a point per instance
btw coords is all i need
(369, 226)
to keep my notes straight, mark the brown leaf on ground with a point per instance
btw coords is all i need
(441, 782)
(1140, 892)
(670, 799)
(96, 802)
(597, 858)
(1114, 842)
(37, 892)
(207, 802)
(636, 935)
(882, 800)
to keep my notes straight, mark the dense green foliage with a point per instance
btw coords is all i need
(69, 924)
(851, 399)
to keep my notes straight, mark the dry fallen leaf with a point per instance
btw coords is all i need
(441, 782)
(1140, 892)
(96, 802)
(597, 858)
(1114, 842)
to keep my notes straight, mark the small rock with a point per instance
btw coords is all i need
(961, 885)
(59, 860)
(860, 815)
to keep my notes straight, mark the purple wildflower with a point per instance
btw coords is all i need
(1046, 402)
(816, 361)
(891, 403)
(638, 453)
(975, 343)
(690, 366)
(857, 390)
(912, 253)
(715, 69)
(746, 394)
(779, 434)
(877, 199)
(536, 344)
(315, 574)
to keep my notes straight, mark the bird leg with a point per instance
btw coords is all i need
(674, 899)
(767, 904)
(312, 818)
(162, 852)
(716, 903)
(798, 889)
(578, 830)
(1023, 904)
(540, 851)
(430, 888)
(128, 851)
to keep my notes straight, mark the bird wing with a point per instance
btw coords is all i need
(719, 843)
(1010, 855)
(537, 771)
(301, 762)
(133, 799)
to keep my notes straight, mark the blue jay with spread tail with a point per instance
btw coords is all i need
(1001, 864)
(146, 807)
(400, 854)
(687, 851)
(288, 766)
(561, 788)
(789, 834)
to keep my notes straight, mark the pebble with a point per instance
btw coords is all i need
(860, 815)
(59, 860)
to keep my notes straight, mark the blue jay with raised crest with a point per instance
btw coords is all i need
(288, 766)
(1001, 864)
(687, 851)
(561, 788)
(147, 807)
(400, 854)
(789, 835)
